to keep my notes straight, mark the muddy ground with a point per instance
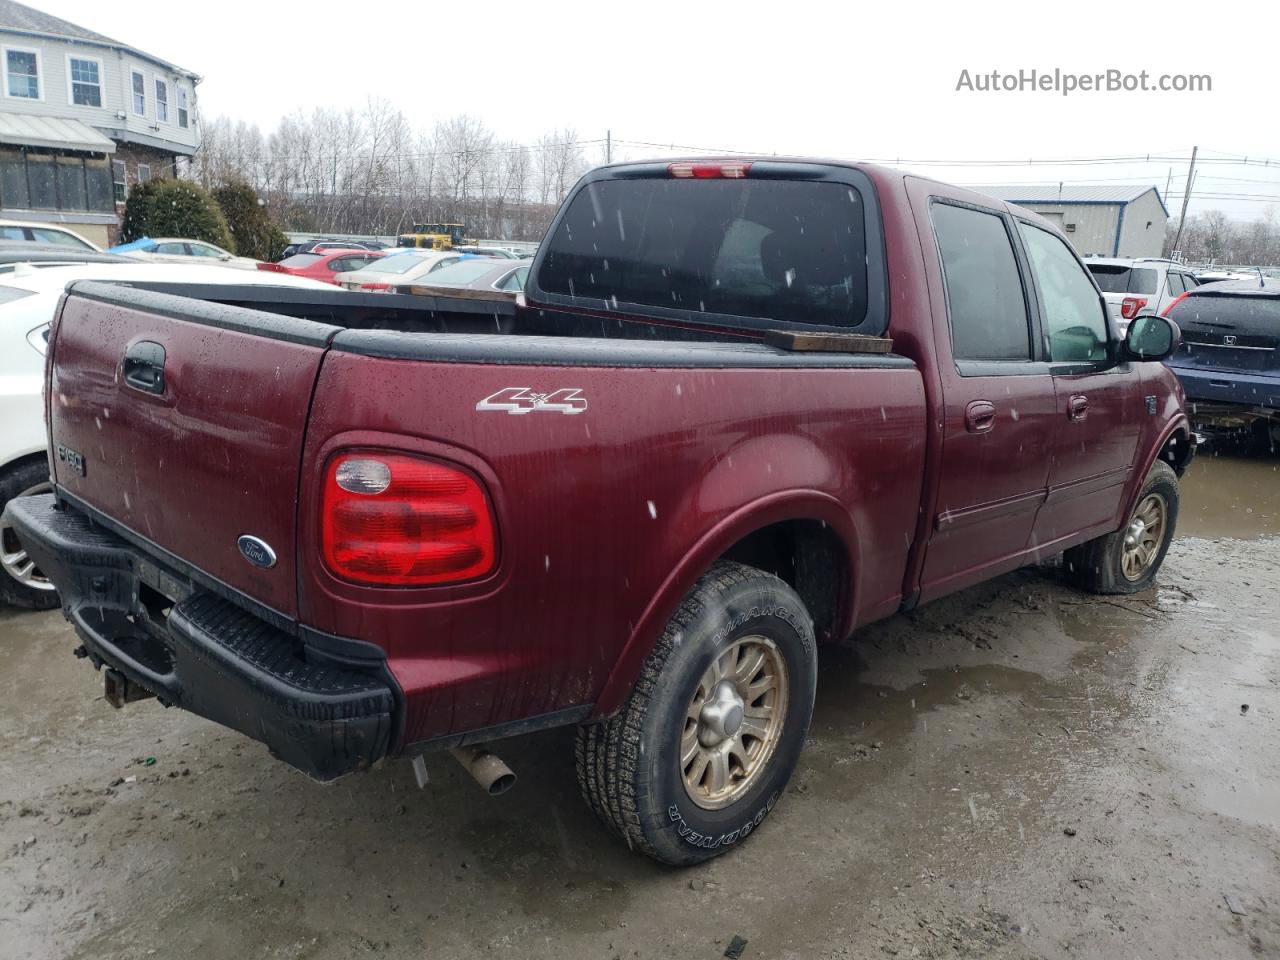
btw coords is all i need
(1017, 771)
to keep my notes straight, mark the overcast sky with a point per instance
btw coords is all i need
(840, 80)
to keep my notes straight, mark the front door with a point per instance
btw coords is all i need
(999, 402)
(1100, 404)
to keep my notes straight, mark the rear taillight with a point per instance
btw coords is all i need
(1173, 303)
(273, 267)
(382, 287)
(1130, 306)
(719, 170)
(394, 520)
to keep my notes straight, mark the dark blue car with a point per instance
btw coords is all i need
(1229, 361)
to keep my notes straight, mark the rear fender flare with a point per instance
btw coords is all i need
(760, 513)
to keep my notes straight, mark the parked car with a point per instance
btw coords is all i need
(1229, 361)
(178, 250)
(28, 299)
(485, 276)
(499, 252)
(638, 501)
(38, 256)
(1141, 285)
(43, 233)
(313, 246)
(323, 265)
(399, 267)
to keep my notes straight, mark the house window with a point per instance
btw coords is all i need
(119, 180)
(162, 102)
(139, 94)
(86, 82)
(22, 74)
(183, 111)
(34, 179)
(144, 172)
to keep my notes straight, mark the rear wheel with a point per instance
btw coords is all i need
(21, 582)
(705, 744)
(1127, 561)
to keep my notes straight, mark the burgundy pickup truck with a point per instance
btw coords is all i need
(744, 408)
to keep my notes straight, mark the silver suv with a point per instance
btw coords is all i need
(1142, 285)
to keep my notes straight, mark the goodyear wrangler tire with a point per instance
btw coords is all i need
(704, 746)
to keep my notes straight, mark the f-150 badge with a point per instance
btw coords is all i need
(518, 400)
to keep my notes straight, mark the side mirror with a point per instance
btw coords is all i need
(1151, 337)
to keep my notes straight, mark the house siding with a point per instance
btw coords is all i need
(1142, 233)
(117, 65)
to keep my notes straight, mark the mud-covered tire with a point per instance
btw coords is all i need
(1097, 566)
(629, 766)
(15, 480)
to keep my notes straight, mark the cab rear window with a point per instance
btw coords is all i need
(781, 250)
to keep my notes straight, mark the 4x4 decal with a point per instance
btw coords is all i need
(518, 400)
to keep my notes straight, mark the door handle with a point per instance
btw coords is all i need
(1078, 407)
(144, 367)
(980, 416)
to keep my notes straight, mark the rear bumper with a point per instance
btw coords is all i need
(1260, 391)
(198, 651)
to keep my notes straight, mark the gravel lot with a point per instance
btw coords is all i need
(1020, 770)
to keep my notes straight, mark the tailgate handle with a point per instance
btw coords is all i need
(144, 366)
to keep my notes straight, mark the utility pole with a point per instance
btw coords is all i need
(1186, 196)
(608, 146)
(1168, 181)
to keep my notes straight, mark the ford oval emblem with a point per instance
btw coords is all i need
(257, 551)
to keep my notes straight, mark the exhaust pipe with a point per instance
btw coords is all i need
(494, 776)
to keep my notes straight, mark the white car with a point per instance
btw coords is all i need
(48, 233)
(28, 298)
(178, 250)
(391, 271)
(1142, 285)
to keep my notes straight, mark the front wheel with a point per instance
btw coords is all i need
(704, 746)
(1127, 561)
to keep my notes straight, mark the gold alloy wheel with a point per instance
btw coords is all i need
(1143, 536)
(734, 722)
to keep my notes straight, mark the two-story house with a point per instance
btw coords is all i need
(82, 118)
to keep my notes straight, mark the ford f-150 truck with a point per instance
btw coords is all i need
(743, 408)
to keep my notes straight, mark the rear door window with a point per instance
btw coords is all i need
(986, 303)
(781, 250)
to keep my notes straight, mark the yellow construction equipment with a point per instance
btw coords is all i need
(433, 236)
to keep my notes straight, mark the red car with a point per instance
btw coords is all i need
(323, 266)
(741, 409)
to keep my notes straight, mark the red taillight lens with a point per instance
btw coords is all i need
(375, 286)
(724, 170)
(1173, 303)
(273, 267)
(395, 520)
(1130, 306)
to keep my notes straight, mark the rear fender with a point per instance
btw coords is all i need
(760, 513)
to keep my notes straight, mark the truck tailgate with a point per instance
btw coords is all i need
(183, 422)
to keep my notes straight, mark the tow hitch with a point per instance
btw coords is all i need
(119, 691)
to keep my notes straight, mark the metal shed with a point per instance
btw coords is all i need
(1100, 221)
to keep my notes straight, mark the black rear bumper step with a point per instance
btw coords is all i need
(199, 651)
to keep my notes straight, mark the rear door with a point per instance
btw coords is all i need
(183, 422)
(1100, 407)
(999, 398)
